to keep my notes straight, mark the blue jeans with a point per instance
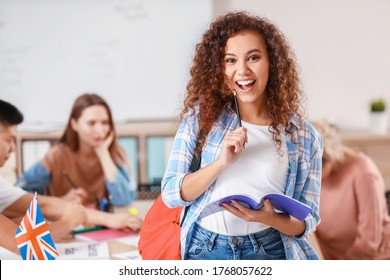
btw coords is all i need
(263, 245)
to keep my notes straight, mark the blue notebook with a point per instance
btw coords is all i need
(280, 202)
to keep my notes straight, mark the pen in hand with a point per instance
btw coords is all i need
(238, 111)
(70, 181)
(237, 108)
(77, 194)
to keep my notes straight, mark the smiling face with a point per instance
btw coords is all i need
(7, 142)
(92, 126)
(247, 66)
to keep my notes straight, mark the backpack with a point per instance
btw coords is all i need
(160, 231)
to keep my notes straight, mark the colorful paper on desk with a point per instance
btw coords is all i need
(83, 251)
(103, 235)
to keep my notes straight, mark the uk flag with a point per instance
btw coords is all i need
(33, 235)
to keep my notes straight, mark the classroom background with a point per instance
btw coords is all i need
(136, 54)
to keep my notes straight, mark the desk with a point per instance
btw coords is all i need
(121, 245)
(117, 247)
(114, 246)
(125, 248)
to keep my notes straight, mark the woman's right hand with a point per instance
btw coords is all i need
(233, 145)
(194, 184)
(76, 195)
(74, 214)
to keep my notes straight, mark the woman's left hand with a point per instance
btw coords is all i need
(267, 215)
(263, 215)
(124, 221)
(78, 195)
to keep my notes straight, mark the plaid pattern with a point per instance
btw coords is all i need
(33, 236)
(304, 147)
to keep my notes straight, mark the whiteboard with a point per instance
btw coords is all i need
(134, 53)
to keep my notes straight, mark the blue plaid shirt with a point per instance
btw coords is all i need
(303, 181)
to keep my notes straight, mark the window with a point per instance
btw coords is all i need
(130, 144)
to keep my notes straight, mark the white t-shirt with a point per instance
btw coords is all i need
(8, 194)
(259, 170)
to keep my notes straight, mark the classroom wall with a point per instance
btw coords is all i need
(342, 47)
(137, 53)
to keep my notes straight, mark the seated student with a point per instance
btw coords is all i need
(355, 223)
(14, 201)
(87, 164)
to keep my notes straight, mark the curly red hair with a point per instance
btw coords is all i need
(208, 90)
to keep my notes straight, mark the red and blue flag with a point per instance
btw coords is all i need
(33, 235)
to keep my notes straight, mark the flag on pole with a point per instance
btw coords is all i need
(33, 235)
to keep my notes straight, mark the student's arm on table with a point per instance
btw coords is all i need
(73, 215)
(7, 234)
(67, 215)
(114, 220)
(18, 209)
(52, 207)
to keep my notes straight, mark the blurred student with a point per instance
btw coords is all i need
(87, 165)
(249, 57)
(355, 223)
(14, 201)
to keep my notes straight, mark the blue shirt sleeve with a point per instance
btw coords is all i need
(123, 190)
(179, 163)
(35, 179)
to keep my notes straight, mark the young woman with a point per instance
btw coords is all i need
(355, 223)
(64, 215)
(87, 165)
(275, 150)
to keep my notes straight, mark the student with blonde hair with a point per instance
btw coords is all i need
(355, 223)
